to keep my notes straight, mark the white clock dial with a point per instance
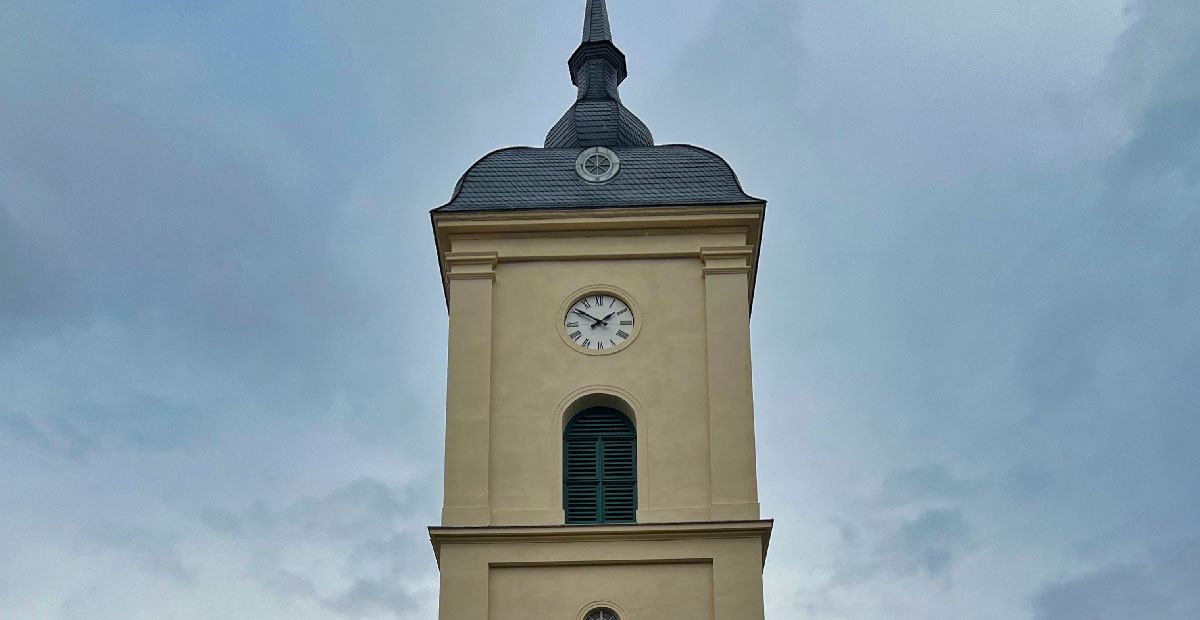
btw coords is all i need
(599, 322)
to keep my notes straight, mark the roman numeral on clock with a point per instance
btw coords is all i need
(591, 322)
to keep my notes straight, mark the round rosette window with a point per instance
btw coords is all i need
(597, 164)
(602, 614)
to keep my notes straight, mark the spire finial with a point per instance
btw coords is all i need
(597, 69)
(595, 22)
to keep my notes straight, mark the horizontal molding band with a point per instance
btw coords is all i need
(456, 259)
(604, 562)
(710, 271)
(528, 258)
(440, 535)
(486, 275)
(745, 251)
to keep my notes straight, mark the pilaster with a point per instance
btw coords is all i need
(730, 392)
(469, 277)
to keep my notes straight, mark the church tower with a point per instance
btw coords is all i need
(600, 456)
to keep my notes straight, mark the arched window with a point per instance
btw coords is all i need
(600, 467)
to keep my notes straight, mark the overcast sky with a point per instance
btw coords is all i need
(976, 331)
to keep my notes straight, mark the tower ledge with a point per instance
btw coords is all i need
(441, 535)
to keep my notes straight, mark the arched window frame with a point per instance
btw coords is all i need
(600, 467)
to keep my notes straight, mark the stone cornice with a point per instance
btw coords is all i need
(614, 213)
(471, 265)
(439, 535)
(727, 260)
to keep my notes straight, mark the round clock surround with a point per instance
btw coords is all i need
(589, 331)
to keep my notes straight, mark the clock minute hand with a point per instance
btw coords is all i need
(582, 313)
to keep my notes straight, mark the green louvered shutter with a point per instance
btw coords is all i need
(581, 495)
(600, 468)
(618, 480)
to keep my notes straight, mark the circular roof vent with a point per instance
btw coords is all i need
(597, 164)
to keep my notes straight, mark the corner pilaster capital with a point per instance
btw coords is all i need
(471, 265)
(727, 260)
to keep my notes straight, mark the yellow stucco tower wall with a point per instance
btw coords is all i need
(655, 389)
(698, 547)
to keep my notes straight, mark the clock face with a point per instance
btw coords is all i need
(599, 322)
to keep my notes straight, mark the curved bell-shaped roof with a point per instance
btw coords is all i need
(520, 178)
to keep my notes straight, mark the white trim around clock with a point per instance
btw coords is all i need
(599, 289)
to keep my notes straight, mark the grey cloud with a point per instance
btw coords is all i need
(168, 234)
(367, 533)
(155, 551)
(876, 550)
(211, 228)
(929, 482)
(287, 584)
(364, 507)
(150, 423)
(57, 436)
(1059, 357)
(848, 534)
(1164, 30)
(1111, 364)
(883, 547)
(747, 103)
(136, 421)
(1028, 482)
(1161, 588)
(926, 544)
(372, 597)
(34, 282)
(198, 257)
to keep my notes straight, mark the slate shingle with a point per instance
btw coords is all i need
(595, 22)
(521, 178)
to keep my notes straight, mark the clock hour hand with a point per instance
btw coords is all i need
(603, 321)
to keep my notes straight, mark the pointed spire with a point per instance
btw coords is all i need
(597, 69)
(595, 22)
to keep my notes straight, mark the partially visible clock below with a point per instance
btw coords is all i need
(599, 322)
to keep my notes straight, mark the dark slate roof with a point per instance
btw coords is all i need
(599, 123)
(595, 22)
(520, 178)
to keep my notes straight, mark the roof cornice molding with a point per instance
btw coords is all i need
(744, 219)
(617, 217)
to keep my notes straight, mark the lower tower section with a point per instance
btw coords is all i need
(692, 571)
